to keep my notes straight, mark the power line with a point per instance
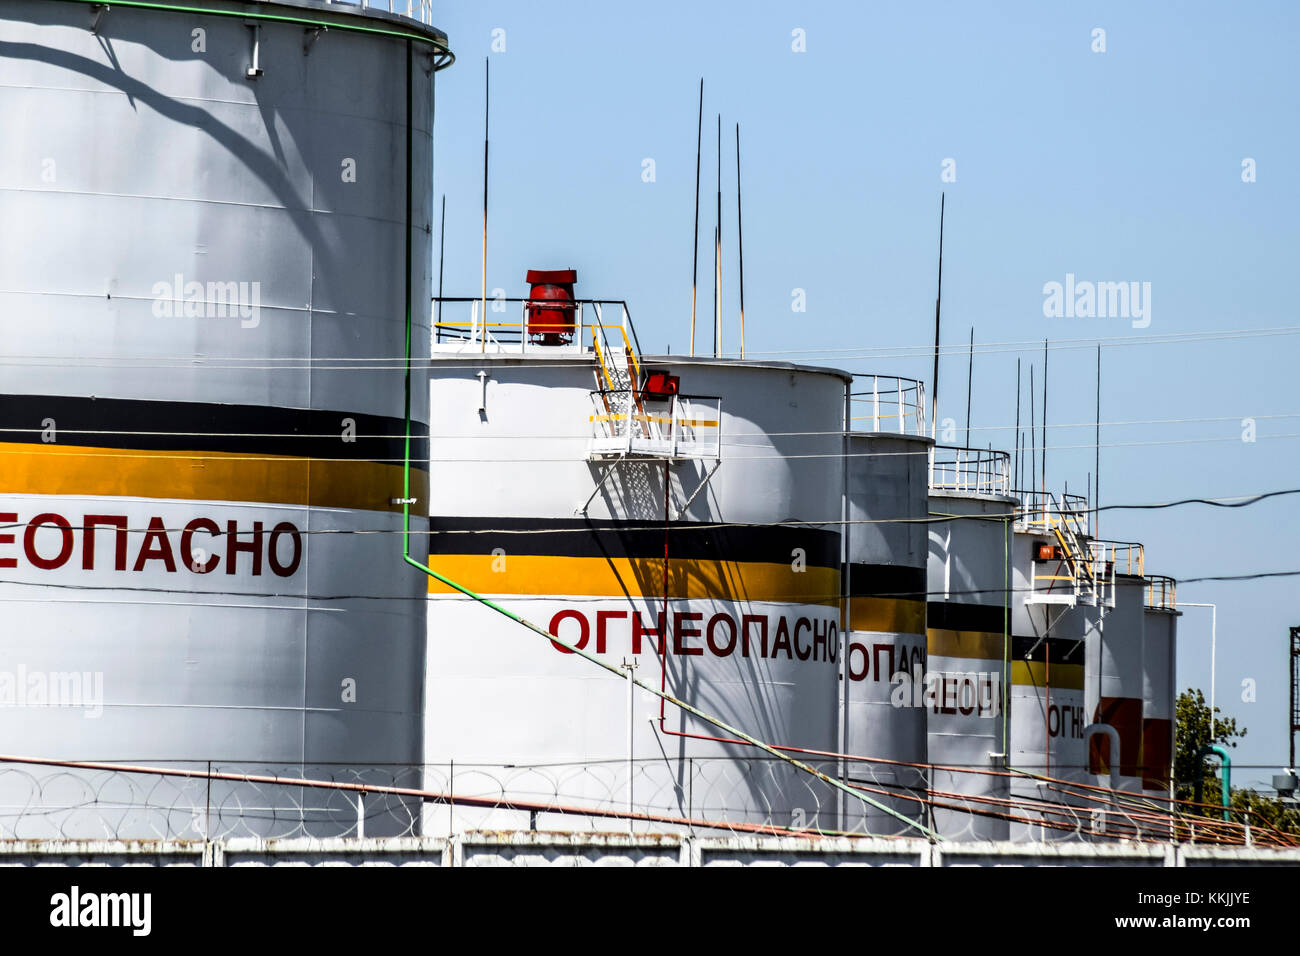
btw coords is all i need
(611, 524)
(358, 363)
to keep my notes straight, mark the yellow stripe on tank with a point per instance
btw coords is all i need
(1034, 674)
(31, 469)
(886, 615)
(513, 574)
(972, 645)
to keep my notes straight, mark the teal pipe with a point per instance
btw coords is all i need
(1226, 761)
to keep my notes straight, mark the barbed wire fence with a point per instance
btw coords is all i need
(209, 801)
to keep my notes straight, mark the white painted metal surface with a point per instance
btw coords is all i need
(969, 639)
(752, 612)
(884, 670)
(195, 278)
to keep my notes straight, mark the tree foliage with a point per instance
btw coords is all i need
(1194, 731)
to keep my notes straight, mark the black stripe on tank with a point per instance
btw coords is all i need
(212, 427)
(578, 537)
(887, 580)
(951, 616)
(1064, 650)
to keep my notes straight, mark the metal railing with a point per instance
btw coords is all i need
(467, 331)
(681, 426)
(419, 10)
(976, 471)
(1036, 510)
(1119, 557)
(891, 404)
(1162, 593)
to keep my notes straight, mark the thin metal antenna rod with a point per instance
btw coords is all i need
(1015, 470)
(1096, 517)
(716, 272)
(695, 247)
(1044, 485)
(717, 257)
(970, 369)
(1020, 476)
(442, 248)
(740, 239)
(938, 298)
(483, 302)
(1033, 448)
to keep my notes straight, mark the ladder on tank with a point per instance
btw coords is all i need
(634, 417)
(616, 380)
(1087, 584)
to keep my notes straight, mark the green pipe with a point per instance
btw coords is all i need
(1226, 788)
(253, 14)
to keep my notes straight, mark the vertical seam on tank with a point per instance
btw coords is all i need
(311, 381)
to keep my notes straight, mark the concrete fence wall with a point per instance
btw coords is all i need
(526, 848)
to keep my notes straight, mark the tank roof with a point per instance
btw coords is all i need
(417, 23)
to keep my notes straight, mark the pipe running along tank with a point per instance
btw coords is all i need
(226, 212)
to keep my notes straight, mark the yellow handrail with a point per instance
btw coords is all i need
(600, 360)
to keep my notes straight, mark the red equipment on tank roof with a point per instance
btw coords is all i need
(550, 309)
(659, 384)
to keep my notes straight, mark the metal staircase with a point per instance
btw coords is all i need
(630, 421)
(617, 382)
(1089, 579)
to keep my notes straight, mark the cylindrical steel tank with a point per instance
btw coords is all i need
(884, 661)
(968, 632)
(1047, 676)
(1113, 680)
(208, 221)
(737, 559)
(1159, 655)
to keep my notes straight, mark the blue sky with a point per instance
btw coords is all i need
(1117, 166)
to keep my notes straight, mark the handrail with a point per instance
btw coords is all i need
(1124, 557)
(677, 432)
(510, 335)
(1035, 506)
(1161, 592)
(903, 400)
(420, 11)
(979, 471)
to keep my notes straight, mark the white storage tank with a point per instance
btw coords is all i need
(1113, 682)
(969, 642)
(1159, 692)
(182, 474)
(885, 581)
(613, 499)
(1047, 668)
